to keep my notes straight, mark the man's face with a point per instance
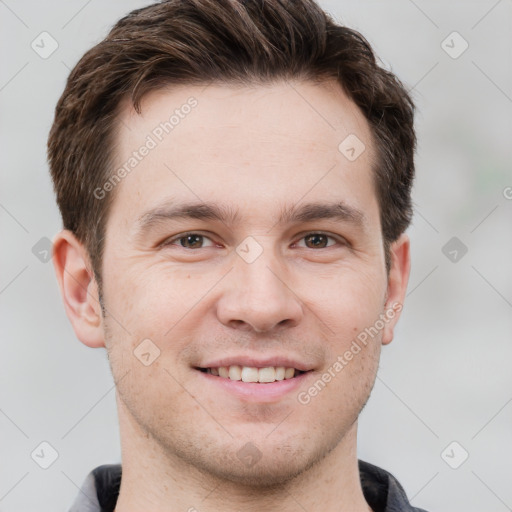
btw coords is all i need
(265, 283)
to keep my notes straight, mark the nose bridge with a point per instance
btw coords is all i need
(261, 281)
(258, 294)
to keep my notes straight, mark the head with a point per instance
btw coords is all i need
(262, 122)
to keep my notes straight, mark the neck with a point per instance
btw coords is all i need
(154, 479)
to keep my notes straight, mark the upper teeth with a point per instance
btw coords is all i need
(252, 374)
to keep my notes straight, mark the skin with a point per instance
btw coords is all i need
(257, 150)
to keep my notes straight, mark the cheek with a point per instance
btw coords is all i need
(151, 300)
(334, 399)
(153, 315)
(153, 395)
(346, 301)
(348, 309)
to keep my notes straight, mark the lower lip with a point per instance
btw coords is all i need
(257, 392)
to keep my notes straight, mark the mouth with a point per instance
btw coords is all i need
(252, 374)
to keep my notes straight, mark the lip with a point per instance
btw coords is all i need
(252, 391)
(258, 362)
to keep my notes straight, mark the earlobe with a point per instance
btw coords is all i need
(397, 284)
(78, 288)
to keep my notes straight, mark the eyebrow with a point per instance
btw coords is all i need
(307, 212)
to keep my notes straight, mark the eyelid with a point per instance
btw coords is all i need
(170, 240)
(299, 237)
(338, 238)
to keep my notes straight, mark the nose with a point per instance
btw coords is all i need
(258, 297)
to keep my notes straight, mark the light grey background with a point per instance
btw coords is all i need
(446, 377)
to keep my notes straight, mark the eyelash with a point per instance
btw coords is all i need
(170, 241)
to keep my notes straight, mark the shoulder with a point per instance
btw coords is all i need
(383, 491)
(99, 490)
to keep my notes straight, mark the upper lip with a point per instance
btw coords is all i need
(259, 362)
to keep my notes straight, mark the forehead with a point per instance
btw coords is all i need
(264, 146)
(315, 113)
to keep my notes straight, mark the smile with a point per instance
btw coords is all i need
(265, 375)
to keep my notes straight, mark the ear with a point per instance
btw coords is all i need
(397, 284)
(78, 288)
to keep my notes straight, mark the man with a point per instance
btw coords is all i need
(234, 179)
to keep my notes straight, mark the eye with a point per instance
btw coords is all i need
(318, 240)
(189, 241)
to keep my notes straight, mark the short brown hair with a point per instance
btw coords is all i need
(222, 41)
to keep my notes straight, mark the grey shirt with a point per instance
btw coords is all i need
(381, 490)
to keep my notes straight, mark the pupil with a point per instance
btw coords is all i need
(317, 240)
(190, 239)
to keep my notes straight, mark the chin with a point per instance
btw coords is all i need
(268, 474)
